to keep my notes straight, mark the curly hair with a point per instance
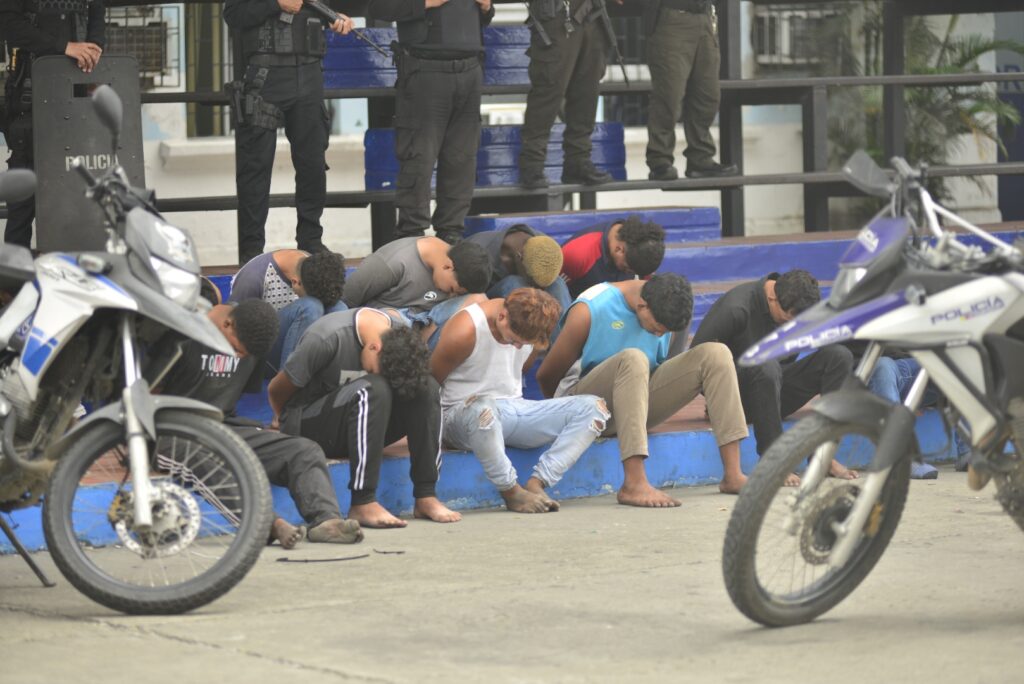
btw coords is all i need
(645, 245)
(256, 325)
(797, 291)
(472, 266)
(323, 277)
(532, 315)
(404, 361)
(670, 299)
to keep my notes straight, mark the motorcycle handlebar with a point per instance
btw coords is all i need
(903, 169)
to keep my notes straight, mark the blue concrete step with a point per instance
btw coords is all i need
(681, 224)
(498, 155)
(681, 458)
(751, 258)
(352, 63)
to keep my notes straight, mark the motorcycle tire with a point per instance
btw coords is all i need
(747, 533)
(212, 513)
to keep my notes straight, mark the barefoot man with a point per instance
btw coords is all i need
(358, 381)
(480, 357)
(615, 343)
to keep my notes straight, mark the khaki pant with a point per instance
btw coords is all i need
(683, 56)
(640, 400)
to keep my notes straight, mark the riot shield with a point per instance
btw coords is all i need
(66, 128)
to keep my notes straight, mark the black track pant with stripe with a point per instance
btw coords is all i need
(357, 420)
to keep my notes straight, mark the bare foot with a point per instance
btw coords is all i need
(518, 500)
(286, 534)
(430, 508)
(732, 485)
(336, 531)
(792, 480)
(535, 486)
(842, 472)
(374, 515)
(646, 496)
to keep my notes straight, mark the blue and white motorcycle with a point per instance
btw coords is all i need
(151, 505)
(793, 553)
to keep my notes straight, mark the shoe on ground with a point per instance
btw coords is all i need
(663, 173)
(923, 471)
(533, 179)
(585, 173)
(712, 170)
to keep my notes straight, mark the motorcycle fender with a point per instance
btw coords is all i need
(893, 424)
(115, 414)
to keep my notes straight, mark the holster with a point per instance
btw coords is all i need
(248, 107)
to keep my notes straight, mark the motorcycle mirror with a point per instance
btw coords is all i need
(865, 175)
(17, 185)
(109, 108)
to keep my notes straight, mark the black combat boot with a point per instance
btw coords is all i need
(584, 172)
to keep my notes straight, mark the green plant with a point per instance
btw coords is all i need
(939, 119)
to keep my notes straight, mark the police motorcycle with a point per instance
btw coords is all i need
(149, 504)
(791, 554)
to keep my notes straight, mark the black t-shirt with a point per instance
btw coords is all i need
(739, 319)
(218, 379)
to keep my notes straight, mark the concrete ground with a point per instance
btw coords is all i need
(595, 593)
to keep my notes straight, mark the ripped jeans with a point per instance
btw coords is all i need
(486, 426)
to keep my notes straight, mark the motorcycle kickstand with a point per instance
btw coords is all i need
(24, 554)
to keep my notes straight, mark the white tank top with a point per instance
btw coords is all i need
(492, 370)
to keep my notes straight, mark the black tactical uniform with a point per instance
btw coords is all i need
(567, 61)
(283, 86)
(34, 28)
(437, 109)
(683, 55)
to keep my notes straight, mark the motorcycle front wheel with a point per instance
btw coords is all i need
(779, 538)
(211, 514)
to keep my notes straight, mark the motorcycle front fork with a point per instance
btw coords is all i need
(848, 530)
(138, 450)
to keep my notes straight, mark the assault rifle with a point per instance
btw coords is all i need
(331, 16)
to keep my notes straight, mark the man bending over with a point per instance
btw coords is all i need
(611, 252)
(301, 287)
(293, 462)
(358, 381)
(741, 318)
(620, 335)
(481, 356)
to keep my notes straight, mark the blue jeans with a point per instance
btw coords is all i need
(293, 320)
(558, 289)
(438, 315)
(486, 426)
(892, 379)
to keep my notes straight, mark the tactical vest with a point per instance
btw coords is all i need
(452, 27)
(287, 34)
(49, 15)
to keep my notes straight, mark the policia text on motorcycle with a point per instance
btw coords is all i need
(34, 28)
(437, 108)
(283, 45)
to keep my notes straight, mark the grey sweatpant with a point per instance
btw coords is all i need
(298, 464)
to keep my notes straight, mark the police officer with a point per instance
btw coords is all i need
(683, 55)
(567, 61)
(282, 43)
(439, 55)
(33, 28)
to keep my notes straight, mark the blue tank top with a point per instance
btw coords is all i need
(614, 327)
